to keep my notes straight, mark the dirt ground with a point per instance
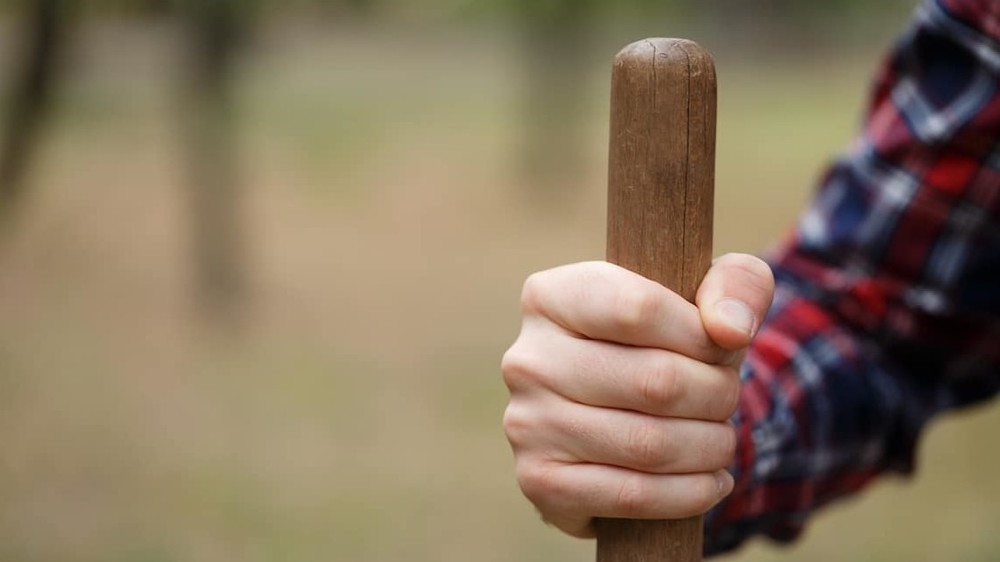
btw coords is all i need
(355, 416)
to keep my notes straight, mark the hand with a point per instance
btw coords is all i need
(621, 390)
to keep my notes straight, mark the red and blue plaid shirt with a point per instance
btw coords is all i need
(887, 309)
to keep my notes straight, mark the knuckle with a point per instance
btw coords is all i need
(646, 446)
(634, 499)
(635, 309)
(517, 425)
(660, 384)
(512, 366)
(533, 292)
(538, 483)
(519, 367)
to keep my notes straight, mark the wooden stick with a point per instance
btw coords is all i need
(660, 195)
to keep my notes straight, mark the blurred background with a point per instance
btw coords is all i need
(259, 261)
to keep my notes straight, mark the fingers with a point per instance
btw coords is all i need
(652, 381)
(601, 301)
(564, 492)
(620, 390)
(734, 299)
(574, 433)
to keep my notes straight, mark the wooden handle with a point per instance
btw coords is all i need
(660, 196)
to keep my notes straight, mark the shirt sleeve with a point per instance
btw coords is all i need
(887, 310)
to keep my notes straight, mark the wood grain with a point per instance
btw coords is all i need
(660, 197)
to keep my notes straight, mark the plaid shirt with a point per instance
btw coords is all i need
(887, 309)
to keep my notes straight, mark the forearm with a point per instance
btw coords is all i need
(821, 415)
(888, 303)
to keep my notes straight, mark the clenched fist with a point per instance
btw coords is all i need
(621, 390)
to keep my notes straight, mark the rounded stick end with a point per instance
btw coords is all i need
(662, 51)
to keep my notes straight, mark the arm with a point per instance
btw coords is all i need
(887, 308)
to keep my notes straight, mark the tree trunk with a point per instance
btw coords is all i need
(556, 60)
(215, 194)
(31, 99)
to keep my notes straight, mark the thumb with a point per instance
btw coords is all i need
(734, 298)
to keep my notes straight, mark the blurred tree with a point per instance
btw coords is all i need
(555, 36)
(360, 7)
(156, 7)
(217, 28)
(30, 100)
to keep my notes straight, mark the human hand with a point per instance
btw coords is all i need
(621, 390)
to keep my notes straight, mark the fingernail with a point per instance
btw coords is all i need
(736, 315)
(725, 481)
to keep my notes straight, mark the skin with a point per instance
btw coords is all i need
(621, 391)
